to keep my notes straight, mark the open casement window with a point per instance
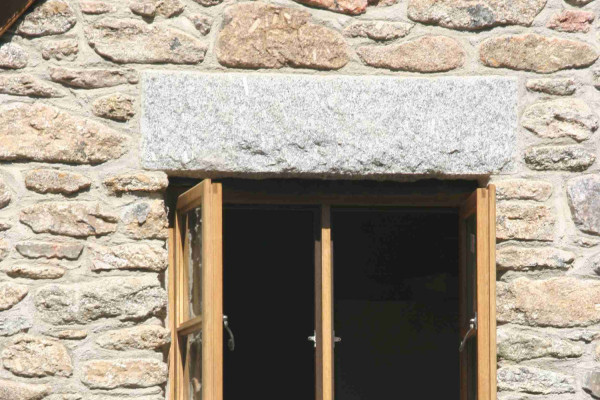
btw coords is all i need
(197, 323)
(477, 296)
(196, 287)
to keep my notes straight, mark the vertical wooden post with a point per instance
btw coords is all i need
(492, 279)
(212, 293)
(483, 295)
(324, 309)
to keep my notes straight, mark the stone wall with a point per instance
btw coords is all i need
(83, 226)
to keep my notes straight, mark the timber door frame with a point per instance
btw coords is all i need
(210, 196)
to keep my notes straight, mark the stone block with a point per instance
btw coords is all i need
(35, 356)
(562, 302)
(327, 126)
(125, 298)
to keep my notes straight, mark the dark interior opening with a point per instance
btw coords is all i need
(268, 289)
(396, 303)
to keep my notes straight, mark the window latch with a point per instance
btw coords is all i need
(231, 341)
(313, 339)
(470, 332)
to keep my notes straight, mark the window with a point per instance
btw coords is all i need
(202, 336)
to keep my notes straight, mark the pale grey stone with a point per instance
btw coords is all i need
(559, 158)
(557, 87)
(579, 3)
(38, 132)
(35, 271)
(562, 302)
(49, 17)
(28, 85)
(519, 344)
(208, 3)
(351, 7)
(520, 221)
(424, 54)
(591, 383)
(137, 182)
(572, 21)
(96, 7)
(56, 181)
(5, 195)
(144, 337)
(586, 242)
(12, 56)
(474, 15)
(143, 256)
(118, 107)
(151, 8)
(93, 78)
(132, 41)
(13, 324)
(514, 396)
(4, 249)
(534, 380)
(260, 35)
(333, 126)
(528, 258)
(595, 263)
(202, 22)
(125, 298)
(11, 390)
(583, 193)
(378, 30)
(60, 50)
(586, 335)
(75, 219)
(533, 52)
(523, 189)
(68, 250)
(35, 356)
(69, 334)
(146, 220)
(129, 373)
(66, 396)
(11, 294)
(561, 118)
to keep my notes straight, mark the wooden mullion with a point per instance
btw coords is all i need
(492, 295)
(212, 293)
(172, 288)
(179, 236)
(483, 296)
(324, 309)
(192, 198)
(190, 326)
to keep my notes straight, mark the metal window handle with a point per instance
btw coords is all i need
(231, 341)
(314, 339)
(470, 332)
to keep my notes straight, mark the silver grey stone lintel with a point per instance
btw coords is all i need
(333, 126)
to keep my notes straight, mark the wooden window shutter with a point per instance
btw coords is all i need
(197, 315)
(477, 280)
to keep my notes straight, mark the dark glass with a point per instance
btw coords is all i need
(269, 299)
(471, 294)
(396, 303)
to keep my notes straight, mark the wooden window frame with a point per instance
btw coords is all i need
(211, 196)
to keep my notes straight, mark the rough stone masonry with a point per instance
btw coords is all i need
(83, 221)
